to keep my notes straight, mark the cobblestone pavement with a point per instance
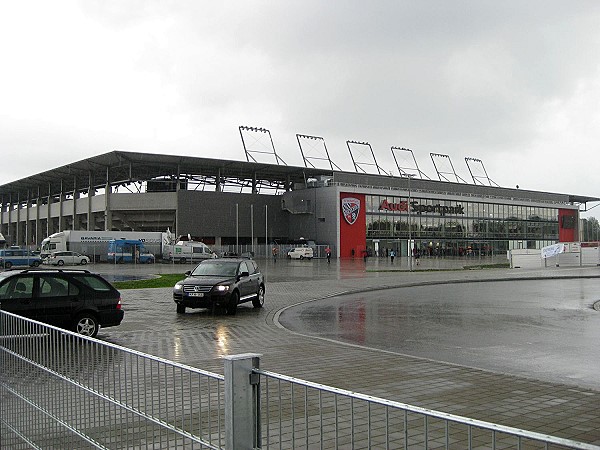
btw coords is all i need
(200, 338)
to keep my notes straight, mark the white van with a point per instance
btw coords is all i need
(301, 253)
(187, 252)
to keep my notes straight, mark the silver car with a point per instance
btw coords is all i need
(66, 258)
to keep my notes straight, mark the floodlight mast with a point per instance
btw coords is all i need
(402, 170)
(357, 164)
(443, 174)
(249, 152)
(477, 177)
(307, 159)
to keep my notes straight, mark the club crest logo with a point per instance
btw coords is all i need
(350, 209)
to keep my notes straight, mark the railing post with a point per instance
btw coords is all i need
(242, 402)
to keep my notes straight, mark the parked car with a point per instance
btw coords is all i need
(68, 298)
(224, 282)
(15, 256)
(68, 258)
(301, 253)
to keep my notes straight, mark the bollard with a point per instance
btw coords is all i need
(242, 402)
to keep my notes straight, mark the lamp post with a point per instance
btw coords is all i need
(409, 176)
(490, 240)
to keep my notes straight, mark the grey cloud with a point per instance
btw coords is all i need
(467, 78)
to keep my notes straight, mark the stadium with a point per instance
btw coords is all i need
(242, 205)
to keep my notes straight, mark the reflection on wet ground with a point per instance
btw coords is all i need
(547, 329)
(317, 269)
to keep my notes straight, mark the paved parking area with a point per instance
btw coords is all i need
(199, 339)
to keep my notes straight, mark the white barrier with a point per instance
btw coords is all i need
(574, 254)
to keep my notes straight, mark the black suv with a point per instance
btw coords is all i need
(222, 282)
(74, 299)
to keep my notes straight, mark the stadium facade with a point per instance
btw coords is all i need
(229, 203)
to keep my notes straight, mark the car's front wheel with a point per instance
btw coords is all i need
(83, 262)
(86, 324)
(60, 262)
(231, 307)
(180, 309)
(259, 301)
(35, 263)
(7, 265)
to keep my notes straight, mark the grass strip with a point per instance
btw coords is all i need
(162, 281)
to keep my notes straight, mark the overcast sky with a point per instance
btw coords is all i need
(515, 84)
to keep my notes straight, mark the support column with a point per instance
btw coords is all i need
(28, 234)
(18, 222)
(176, 230)
(38, 225)
(10, 238)
(2, 208)
(49, 212)
(107, 210)
(75, 198)
(61, 217)
(91, 222)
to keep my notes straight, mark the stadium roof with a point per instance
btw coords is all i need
(129, 167)
(124, 168)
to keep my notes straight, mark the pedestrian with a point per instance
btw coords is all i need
(275, 252)
(392, 254)
(328, 253)
(352, 253)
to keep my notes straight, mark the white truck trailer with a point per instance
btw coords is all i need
(94, 244)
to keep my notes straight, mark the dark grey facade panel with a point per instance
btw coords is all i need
(214, 214)
(313, 214)
(147, 201)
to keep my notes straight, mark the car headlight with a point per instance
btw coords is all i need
(222, 288)
(178, 287)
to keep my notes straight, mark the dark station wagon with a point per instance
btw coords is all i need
(77, 300)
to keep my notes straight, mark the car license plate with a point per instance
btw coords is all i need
(196, 294)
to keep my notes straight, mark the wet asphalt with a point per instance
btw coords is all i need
(544, 329)
(514, 347)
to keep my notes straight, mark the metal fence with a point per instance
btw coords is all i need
(303, 415)
(265, 251)
(60, 390)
